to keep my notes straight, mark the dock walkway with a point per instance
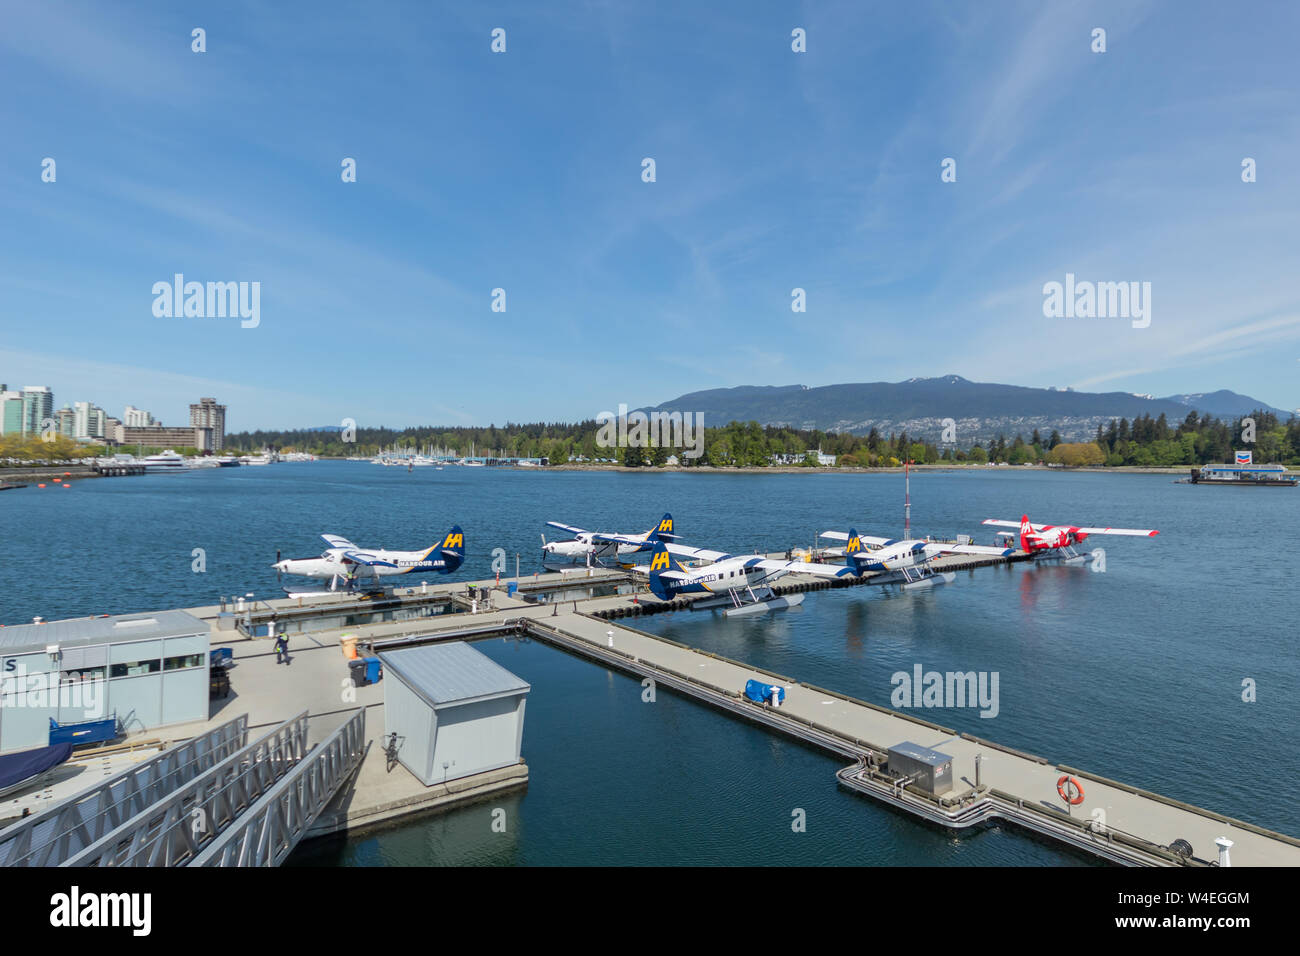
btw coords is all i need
(577, 612)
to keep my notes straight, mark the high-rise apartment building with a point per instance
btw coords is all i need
(88, 421)
(38, 405)
(137, 418)
(67, 421)
(208, 414)
(11, 412)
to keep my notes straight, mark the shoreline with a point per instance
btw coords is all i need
(1177, 470)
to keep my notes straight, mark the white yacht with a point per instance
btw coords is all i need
(167, 461)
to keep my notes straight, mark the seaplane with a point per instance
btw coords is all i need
(598, 545)
(1047, 541)
(740, 583)
(905, 562)
(352, 567)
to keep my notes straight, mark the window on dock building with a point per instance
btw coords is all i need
(185, 660)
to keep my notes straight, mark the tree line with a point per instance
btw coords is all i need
(1144, 441)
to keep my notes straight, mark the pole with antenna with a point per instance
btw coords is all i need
(907, 499)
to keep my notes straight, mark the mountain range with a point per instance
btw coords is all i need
(980, 410)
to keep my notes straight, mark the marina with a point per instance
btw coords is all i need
(696, 444)
(573, 612)
(607, 597)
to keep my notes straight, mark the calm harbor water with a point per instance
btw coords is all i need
(1134, 673)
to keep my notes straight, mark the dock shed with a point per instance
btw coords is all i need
(931, 770)
(147, 670)
(455, 711)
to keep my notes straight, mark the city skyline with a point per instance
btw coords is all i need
(29, 410)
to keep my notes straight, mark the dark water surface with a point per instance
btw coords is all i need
(1135, 673)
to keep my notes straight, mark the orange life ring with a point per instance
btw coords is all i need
(1060, 788)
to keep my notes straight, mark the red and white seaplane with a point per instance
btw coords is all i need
(1058, 541)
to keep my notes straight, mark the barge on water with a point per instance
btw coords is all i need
(1244, 474)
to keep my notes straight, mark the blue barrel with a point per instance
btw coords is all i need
(374, 670)
(511, 588)
(761, 693)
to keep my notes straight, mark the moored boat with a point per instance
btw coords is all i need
(1243, 475)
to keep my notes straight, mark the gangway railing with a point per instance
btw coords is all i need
(175, 829)
(53, 835)
(268, 831)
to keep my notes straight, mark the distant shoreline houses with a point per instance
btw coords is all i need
(29, 412)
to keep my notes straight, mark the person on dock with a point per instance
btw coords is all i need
(282, 649)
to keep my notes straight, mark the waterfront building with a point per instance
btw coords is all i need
(209, 415)
(134, 417)
(11, 412)
(88, 422)
(160, 436)
(38, 405)
(456, 711)
(66, 419)
(144, 670)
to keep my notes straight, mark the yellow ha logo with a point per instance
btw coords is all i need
(660, 561)
(854, 545)
(454, 541)
(666, 524)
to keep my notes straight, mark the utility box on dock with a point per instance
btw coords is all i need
(455, 711)
(930, 770)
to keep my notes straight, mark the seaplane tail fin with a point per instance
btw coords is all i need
(453, 548)
(1026, 533)
(663, 531)
(855, 552)
(661, 573)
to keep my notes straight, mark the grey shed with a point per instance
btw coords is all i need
(930, 770)
(456, 712)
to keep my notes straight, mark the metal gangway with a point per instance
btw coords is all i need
(248, 803)
(52, 836)
(268, 831)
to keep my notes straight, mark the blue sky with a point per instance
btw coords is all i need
(522, 171)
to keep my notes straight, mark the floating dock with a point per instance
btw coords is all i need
(576, 612)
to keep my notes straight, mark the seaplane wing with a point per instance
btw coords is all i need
(1014, 524)
(864, 538)
(968, 549)
(567, 527)
(338, 541)
(1128, 531)
(807, 567)
(368, 559)
(619, 539)
(699, 554)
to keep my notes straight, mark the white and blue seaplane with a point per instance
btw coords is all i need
(598, 546)
(740, 584)
(343, 563)
(905, 562)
